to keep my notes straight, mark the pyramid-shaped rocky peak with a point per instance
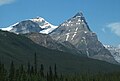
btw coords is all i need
(80, 17)
(77, 32)
(79, 14)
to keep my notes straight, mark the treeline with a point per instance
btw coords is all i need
(29, 74)
(32, 73)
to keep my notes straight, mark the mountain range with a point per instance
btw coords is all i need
(73, 36)
(46, 41)
(21, 50)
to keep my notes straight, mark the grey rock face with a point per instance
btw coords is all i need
(77, 32)
(46, 41)
(27, 26)
(115, 51)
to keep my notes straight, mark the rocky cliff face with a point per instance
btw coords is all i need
(46, 41)
(73, 35)
(76, 31)
(115, 51)
(26, 27)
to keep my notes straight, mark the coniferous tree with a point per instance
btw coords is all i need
(42, 70)
(47, 76)
(35, 63)
(21, 69)
(12, 72)
(61, 77)
(50, 74)
(18, 75)
(28, 68)
(3, 72)
(32, 70)
(55, 71)
(0, 66)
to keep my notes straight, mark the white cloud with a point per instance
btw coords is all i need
(3, 2)
(115, 28)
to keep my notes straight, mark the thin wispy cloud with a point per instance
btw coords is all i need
(115, 27)
(119, 46)
(4, 2)
(103, 29)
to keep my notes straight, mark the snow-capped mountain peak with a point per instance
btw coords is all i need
(37, 24)
(9, 28)
(115, 51)
(46, 26)
(38, 19)
(41, 22)
(79, 14)
(76, 31)
(77, 20)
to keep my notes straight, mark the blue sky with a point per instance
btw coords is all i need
(103, 16)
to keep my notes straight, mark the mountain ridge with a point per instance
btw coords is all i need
(74, 32)
(40, 23)
(20, 50)
(46, 41)
(77, 32)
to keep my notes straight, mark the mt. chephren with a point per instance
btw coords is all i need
(73, 34)
(76, 31)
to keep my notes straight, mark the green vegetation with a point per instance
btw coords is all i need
(23, 60)
(30, 74)
(20, 50)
